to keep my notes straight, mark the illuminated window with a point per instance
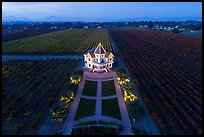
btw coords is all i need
(89, 59)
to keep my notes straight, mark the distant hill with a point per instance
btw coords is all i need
(73, 19)
(55, 18)
(13, 18)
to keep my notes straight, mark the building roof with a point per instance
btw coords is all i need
(99, 49)
(92, 50)
(107, 54)
(92, 54)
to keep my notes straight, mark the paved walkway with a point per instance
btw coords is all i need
(67, 130)
(123, 110)
(98, 110)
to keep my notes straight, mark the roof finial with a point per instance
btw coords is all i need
(99, 49)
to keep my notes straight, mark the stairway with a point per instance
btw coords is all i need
(108, 69)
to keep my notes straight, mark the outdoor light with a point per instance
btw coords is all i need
(130, 96)
(75, 79)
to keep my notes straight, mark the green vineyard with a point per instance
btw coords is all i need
(66, 42)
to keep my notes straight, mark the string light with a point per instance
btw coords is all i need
(60, 115)
(125, 86)
(129, 96)
(75, 79)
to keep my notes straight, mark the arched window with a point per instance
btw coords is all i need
(110, 59)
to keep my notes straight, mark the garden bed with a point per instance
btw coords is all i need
(100, 122)
(108, 88)
(110, 107)
(90, 88)
(86, 108)
(96, 130)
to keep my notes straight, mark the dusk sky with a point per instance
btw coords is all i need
(104, 10)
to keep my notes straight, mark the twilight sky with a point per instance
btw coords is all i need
(102, 10)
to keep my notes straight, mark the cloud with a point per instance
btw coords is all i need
(29, 8)
(108, 10)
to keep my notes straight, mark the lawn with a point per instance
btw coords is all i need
(86, 108)
(110, 107)
(108, 88)
(90, 88)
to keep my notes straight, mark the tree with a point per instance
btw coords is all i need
(150, 24)
(175, 30)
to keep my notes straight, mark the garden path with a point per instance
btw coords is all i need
(98, 114)
(72, 112)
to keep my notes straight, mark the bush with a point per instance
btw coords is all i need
(176, 31)
(96, 130)
(18, 127)
(35, 106)
(56, 133)
(86, 123)
(68, 86)
(79, 72)
(121, 70)
(3, 112)
(30, 97)
(109, 123)
(11, 117)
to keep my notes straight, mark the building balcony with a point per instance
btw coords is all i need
(101, 64)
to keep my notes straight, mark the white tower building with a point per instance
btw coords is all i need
(98, 60)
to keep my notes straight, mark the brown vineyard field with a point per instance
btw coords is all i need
(167, 70)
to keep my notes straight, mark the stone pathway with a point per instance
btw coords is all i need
(98, 110)
(123, 110)
(67, 130)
